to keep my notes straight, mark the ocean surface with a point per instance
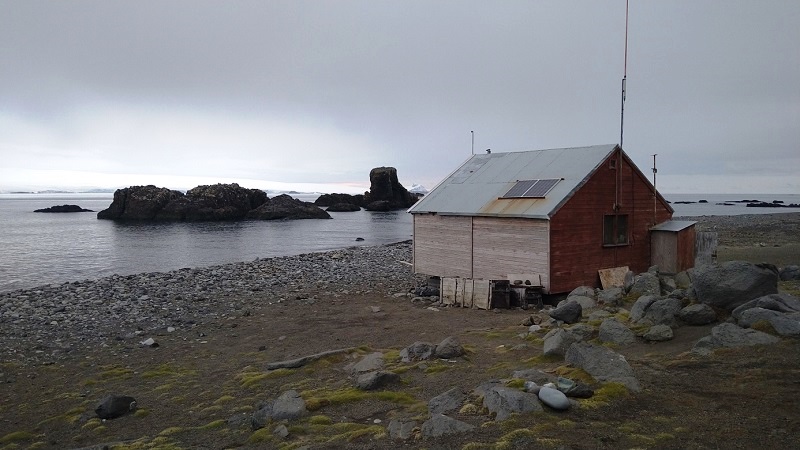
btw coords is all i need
(38, 248)
(53, 248)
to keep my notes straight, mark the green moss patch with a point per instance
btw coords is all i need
(17, 436)
(604, 395)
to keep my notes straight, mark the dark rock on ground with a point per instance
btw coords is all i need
(115, 406)
(504, 401)
(602, 363)
(790, 273)
(569, 312)
(783, 302)
(441, 425)
(63, 209)
(373, 380)
(417, 351)
(447, 402)
(697, 314)
(450, 347)
(728, 335)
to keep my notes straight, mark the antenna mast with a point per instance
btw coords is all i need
(473, 141)
(624, 78)
(655, 191)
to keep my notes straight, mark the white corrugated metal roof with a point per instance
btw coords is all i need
(475, 188)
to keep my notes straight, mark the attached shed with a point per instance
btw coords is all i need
(558, 215)
(673, 245)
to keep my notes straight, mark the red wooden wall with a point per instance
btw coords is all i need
(576, 230)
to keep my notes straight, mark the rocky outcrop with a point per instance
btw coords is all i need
(336, 199)
(63, 209)
(288, 208)
(205, 203)
(138, 203)
(343, 207)
(384, 187)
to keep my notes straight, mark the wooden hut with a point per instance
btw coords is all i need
(553, 216)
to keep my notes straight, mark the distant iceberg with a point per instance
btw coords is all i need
(418, 189)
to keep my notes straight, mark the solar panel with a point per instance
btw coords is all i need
(531, 188)
(519, 189)
(541, 188)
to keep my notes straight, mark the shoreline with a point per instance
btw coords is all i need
(50, 321)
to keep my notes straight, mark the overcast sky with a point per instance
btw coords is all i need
(311, 95)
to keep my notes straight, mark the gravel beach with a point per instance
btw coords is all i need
(48, 322)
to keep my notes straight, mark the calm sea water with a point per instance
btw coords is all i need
(38, 248)
(714, 208)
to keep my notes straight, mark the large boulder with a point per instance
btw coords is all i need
(138, 203)
(729, 335)
(663, 311)
(641, 305)
(783, 302)
(783, 324)
(603, 364)
(384, 186)
(567, 312)
(734, 283)
(447, 402)
(285, 207)
(615, 332)
(114, 406)
(288, 406)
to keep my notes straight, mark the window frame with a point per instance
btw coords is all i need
(612, 224)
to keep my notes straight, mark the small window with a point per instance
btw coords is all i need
(615, 229)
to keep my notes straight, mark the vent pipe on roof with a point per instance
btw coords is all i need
(488, 151)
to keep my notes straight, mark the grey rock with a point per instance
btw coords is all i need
(640, 306)
(658, 333)
(615, 332)
(583, 291)
(281, 431)
(581, 331)
(697, 314)
(447, 402)
(369, 363)
(646, 284)
(611, 296)
(554, 398)
(667, 284)
(683, 280)
(401, 428)
(729, 335)
(535, 375)
(678, 293)
(585, 302)
(288, 406)
(450, 347)
(557, 342)
(628, 280)
(418, 351)
(602, 364)
(504, 401)
(734, 283)
(114, 406)
(790, 273)
(440, 425)
(663, 311)
(373, 380)
(782, 302)
(783, 324)
(569, 312)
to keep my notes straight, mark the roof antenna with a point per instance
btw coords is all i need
(655, 191)
(624, 77)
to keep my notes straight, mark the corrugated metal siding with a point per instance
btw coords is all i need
(442, 245)
(504, 246)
